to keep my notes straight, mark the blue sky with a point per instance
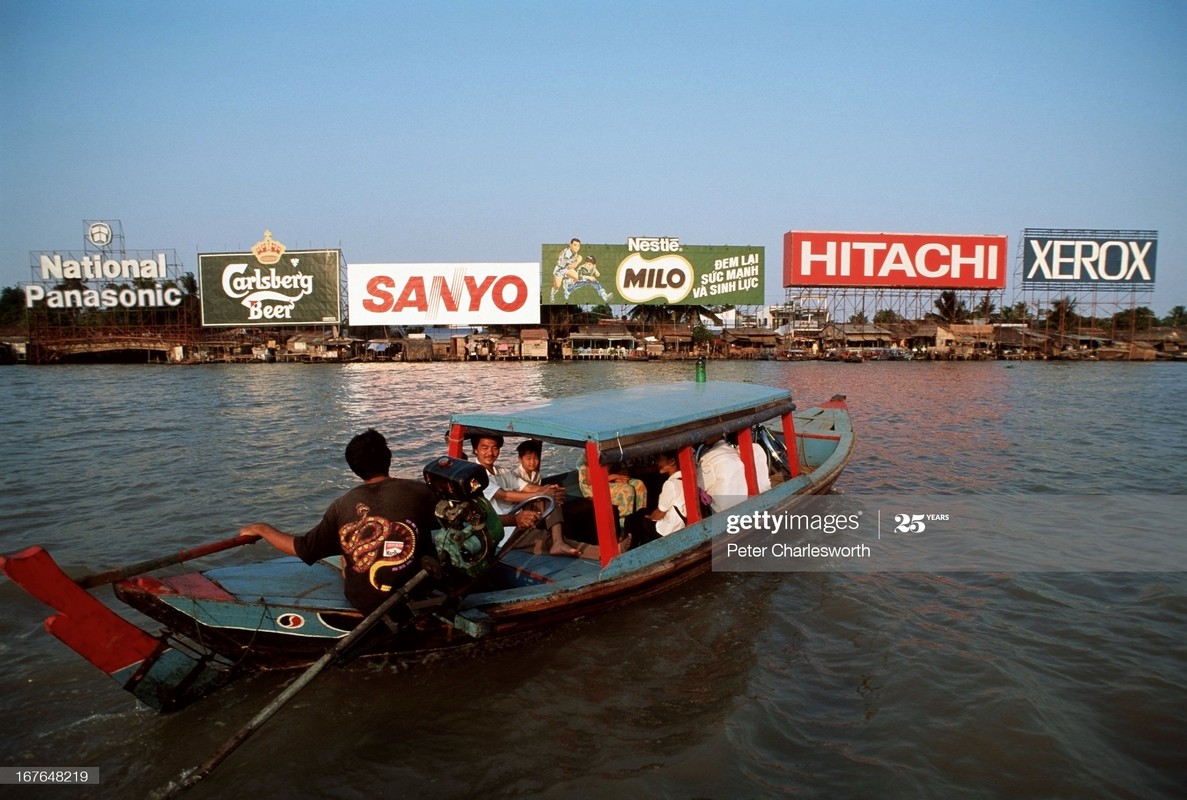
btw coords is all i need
(475, 131)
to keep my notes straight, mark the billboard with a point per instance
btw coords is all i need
(104, 275)
(894, 260)
(137, 279)
(1053, 257)
(271, 285)
(443, 294)
(650, 270)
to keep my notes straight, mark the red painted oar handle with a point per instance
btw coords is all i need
(118, 573)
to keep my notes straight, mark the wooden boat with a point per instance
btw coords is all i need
(282, 613)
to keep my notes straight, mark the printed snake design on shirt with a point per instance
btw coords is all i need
(361, 540)
(371, 547)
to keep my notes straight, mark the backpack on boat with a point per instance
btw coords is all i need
(706, 503)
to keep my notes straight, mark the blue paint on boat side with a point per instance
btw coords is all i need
(631, 411)
(256, 617)
(289, 581)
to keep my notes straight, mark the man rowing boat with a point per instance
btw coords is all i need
(381, 528)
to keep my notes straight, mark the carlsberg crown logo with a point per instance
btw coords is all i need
(269, 250)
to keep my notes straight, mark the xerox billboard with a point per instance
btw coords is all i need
(443, 294)
(1053, 257)
(894, 260)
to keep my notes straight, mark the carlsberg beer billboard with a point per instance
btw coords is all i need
(650, 270)
(271, 285)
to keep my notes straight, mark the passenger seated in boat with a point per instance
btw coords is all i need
(506, 488)
(529, 453)
(762, 466)
(626, 493)
(381, 528)
(721, 474)
(670, 514)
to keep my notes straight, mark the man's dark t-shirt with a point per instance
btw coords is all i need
(382, 530)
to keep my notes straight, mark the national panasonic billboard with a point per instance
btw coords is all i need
(271, 285)
(443, 294)
(1052, 257)
(105, 276)
(894, 260)
(650, 270)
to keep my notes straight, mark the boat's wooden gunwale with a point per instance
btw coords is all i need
(258, 630)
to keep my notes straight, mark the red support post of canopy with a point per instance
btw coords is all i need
(604, 512)
(746, 453)
(455, 441)
(688, 477)
(793, 447)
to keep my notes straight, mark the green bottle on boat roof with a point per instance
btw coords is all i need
(700, 369)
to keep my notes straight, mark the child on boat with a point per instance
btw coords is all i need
(626, 493)
(670, 514)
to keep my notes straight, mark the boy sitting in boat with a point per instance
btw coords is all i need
(669, 514)
(506, 488)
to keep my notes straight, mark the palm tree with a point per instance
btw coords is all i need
(665, 314)
(1063, 313)
(1014, 313)
(949, 308)
(1135, 319)
(1177, 318)
(986, 308)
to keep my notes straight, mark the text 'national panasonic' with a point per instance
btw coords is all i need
(894, 260)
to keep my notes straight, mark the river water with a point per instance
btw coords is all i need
(1020, 684)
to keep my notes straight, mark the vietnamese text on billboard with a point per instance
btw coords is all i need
(443, 294)
(1052, 257)
(301, 287)
(650, 270)
(894, 260)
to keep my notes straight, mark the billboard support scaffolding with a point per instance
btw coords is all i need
(1068, 279)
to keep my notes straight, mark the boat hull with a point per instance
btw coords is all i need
(263, 635)
(282, 613)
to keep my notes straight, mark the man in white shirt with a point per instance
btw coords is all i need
(762, 467)
(721, 474)
(505, 489)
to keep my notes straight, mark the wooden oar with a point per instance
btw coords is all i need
(118, 573)
(205, 768)
(343, 644)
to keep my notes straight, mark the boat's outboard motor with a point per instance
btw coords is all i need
(470, 529)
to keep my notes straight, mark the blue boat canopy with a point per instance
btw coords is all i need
(649, 414)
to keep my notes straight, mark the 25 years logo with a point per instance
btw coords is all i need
(916, 523)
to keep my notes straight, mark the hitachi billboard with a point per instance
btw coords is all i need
(1096, 257)
(894, 260)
